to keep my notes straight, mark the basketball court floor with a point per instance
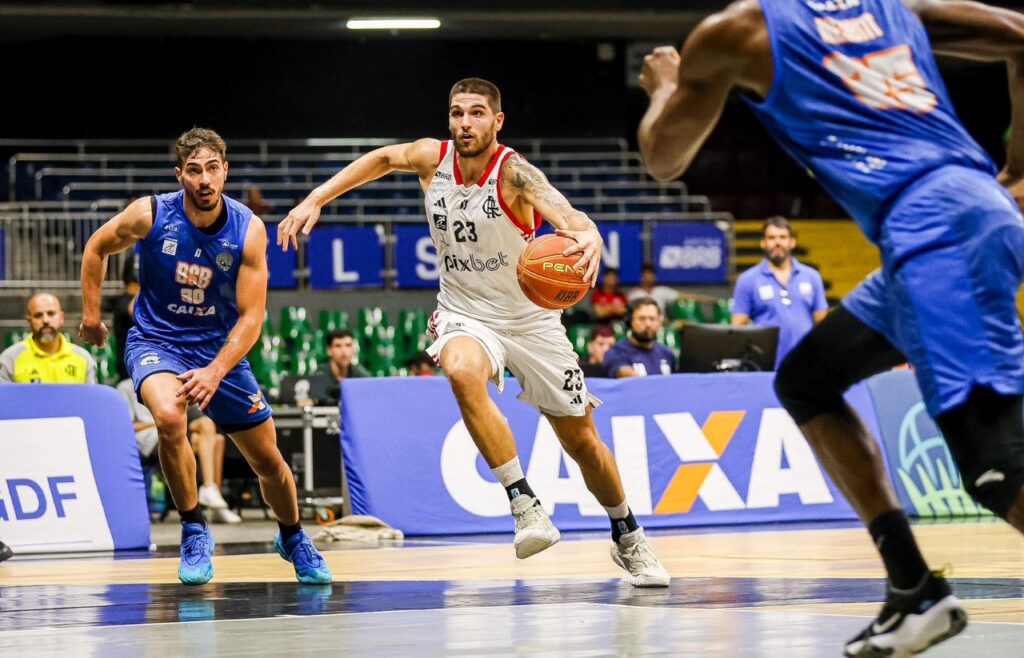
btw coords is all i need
(759, 591)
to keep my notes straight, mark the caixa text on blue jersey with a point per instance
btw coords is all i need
(198, 311)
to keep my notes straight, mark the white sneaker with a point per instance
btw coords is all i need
(534, 530)
(634, 554)
(224, 516)
(209, 496)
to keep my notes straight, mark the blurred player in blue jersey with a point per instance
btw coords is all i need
(851, 90)
(203, 276)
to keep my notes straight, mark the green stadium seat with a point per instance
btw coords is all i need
(328, 320)
(579, 336)
(12, 337)
(686, 310)
(669, 336)
(294, 323)
(722, 313)
(381, 355)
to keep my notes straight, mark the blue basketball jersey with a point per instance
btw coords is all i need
(857, 99)
(187, 277)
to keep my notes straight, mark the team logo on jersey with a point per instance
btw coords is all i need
(474, 264)
(149, 359)
(170, 247)
(491, 208)
(441, 222)
(257, 402)
(224, 260)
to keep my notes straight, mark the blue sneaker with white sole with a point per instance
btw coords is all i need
(196, 567)
(310, 566)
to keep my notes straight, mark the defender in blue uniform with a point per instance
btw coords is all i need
(203, 276)
(851, 90)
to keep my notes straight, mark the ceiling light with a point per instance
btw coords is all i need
(393, 24)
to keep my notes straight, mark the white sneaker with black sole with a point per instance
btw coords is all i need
(911, 621)
(534, 530)
(633, 553)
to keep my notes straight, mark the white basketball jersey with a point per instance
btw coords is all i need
(478, 242)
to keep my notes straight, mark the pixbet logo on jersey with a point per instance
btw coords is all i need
(701, 466)
(474, 264)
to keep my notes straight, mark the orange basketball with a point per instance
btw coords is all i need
(549, 279)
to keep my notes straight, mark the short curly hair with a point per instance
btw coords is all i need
(478, 86)
(199, 138)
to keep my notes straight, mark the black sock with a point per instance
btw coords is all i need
(519, 488)
(289, 531)
(893, 539)
(623, 526)
(194, 515)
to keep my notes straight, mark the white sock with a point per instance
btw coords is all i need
(509, 472)
(618, 512)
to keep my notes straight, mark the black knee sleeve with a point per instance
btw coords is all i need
(803, 387)
(834, 356)
(986, 437)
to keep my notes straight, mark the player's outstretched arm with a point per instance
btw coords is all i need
(419, 156)
(200, 384)
(972, 30)
(125, 229)
(688, 90)
(521, 180)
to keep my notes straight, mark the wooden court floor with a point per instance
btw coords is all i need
(752, 591)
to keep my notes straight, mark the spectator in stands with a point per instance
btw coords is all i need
(640, 354)
(5, 552)
(649, 288)
(341, 347)
(208, 446)
(46, 356)
(421, 365)
(601, 339)
(254, 199)
(780, 291)
(122, 309)
(608, 301)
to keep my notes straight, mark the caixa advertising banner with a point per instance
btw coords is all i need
(70, 478)
(691, 450)
(920, 463)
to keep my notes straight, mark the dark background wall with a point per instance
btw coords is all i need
(389, 87)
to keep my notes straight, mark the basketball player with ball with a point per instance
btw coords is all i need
(484, 203)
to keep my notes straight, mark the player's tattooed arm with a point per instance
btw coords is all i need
(521, 180)
(529, 183)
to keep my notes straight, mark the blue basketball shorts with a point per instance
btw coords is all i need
(238, 403)
(952, 261)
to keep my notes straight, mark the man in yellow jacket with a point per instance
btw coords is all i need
(46, 356)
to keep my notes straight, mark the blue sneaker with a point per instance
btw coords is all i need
(310, 566)
(196, 548)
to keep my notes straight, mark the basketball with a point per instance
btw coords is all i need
(549, 279)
